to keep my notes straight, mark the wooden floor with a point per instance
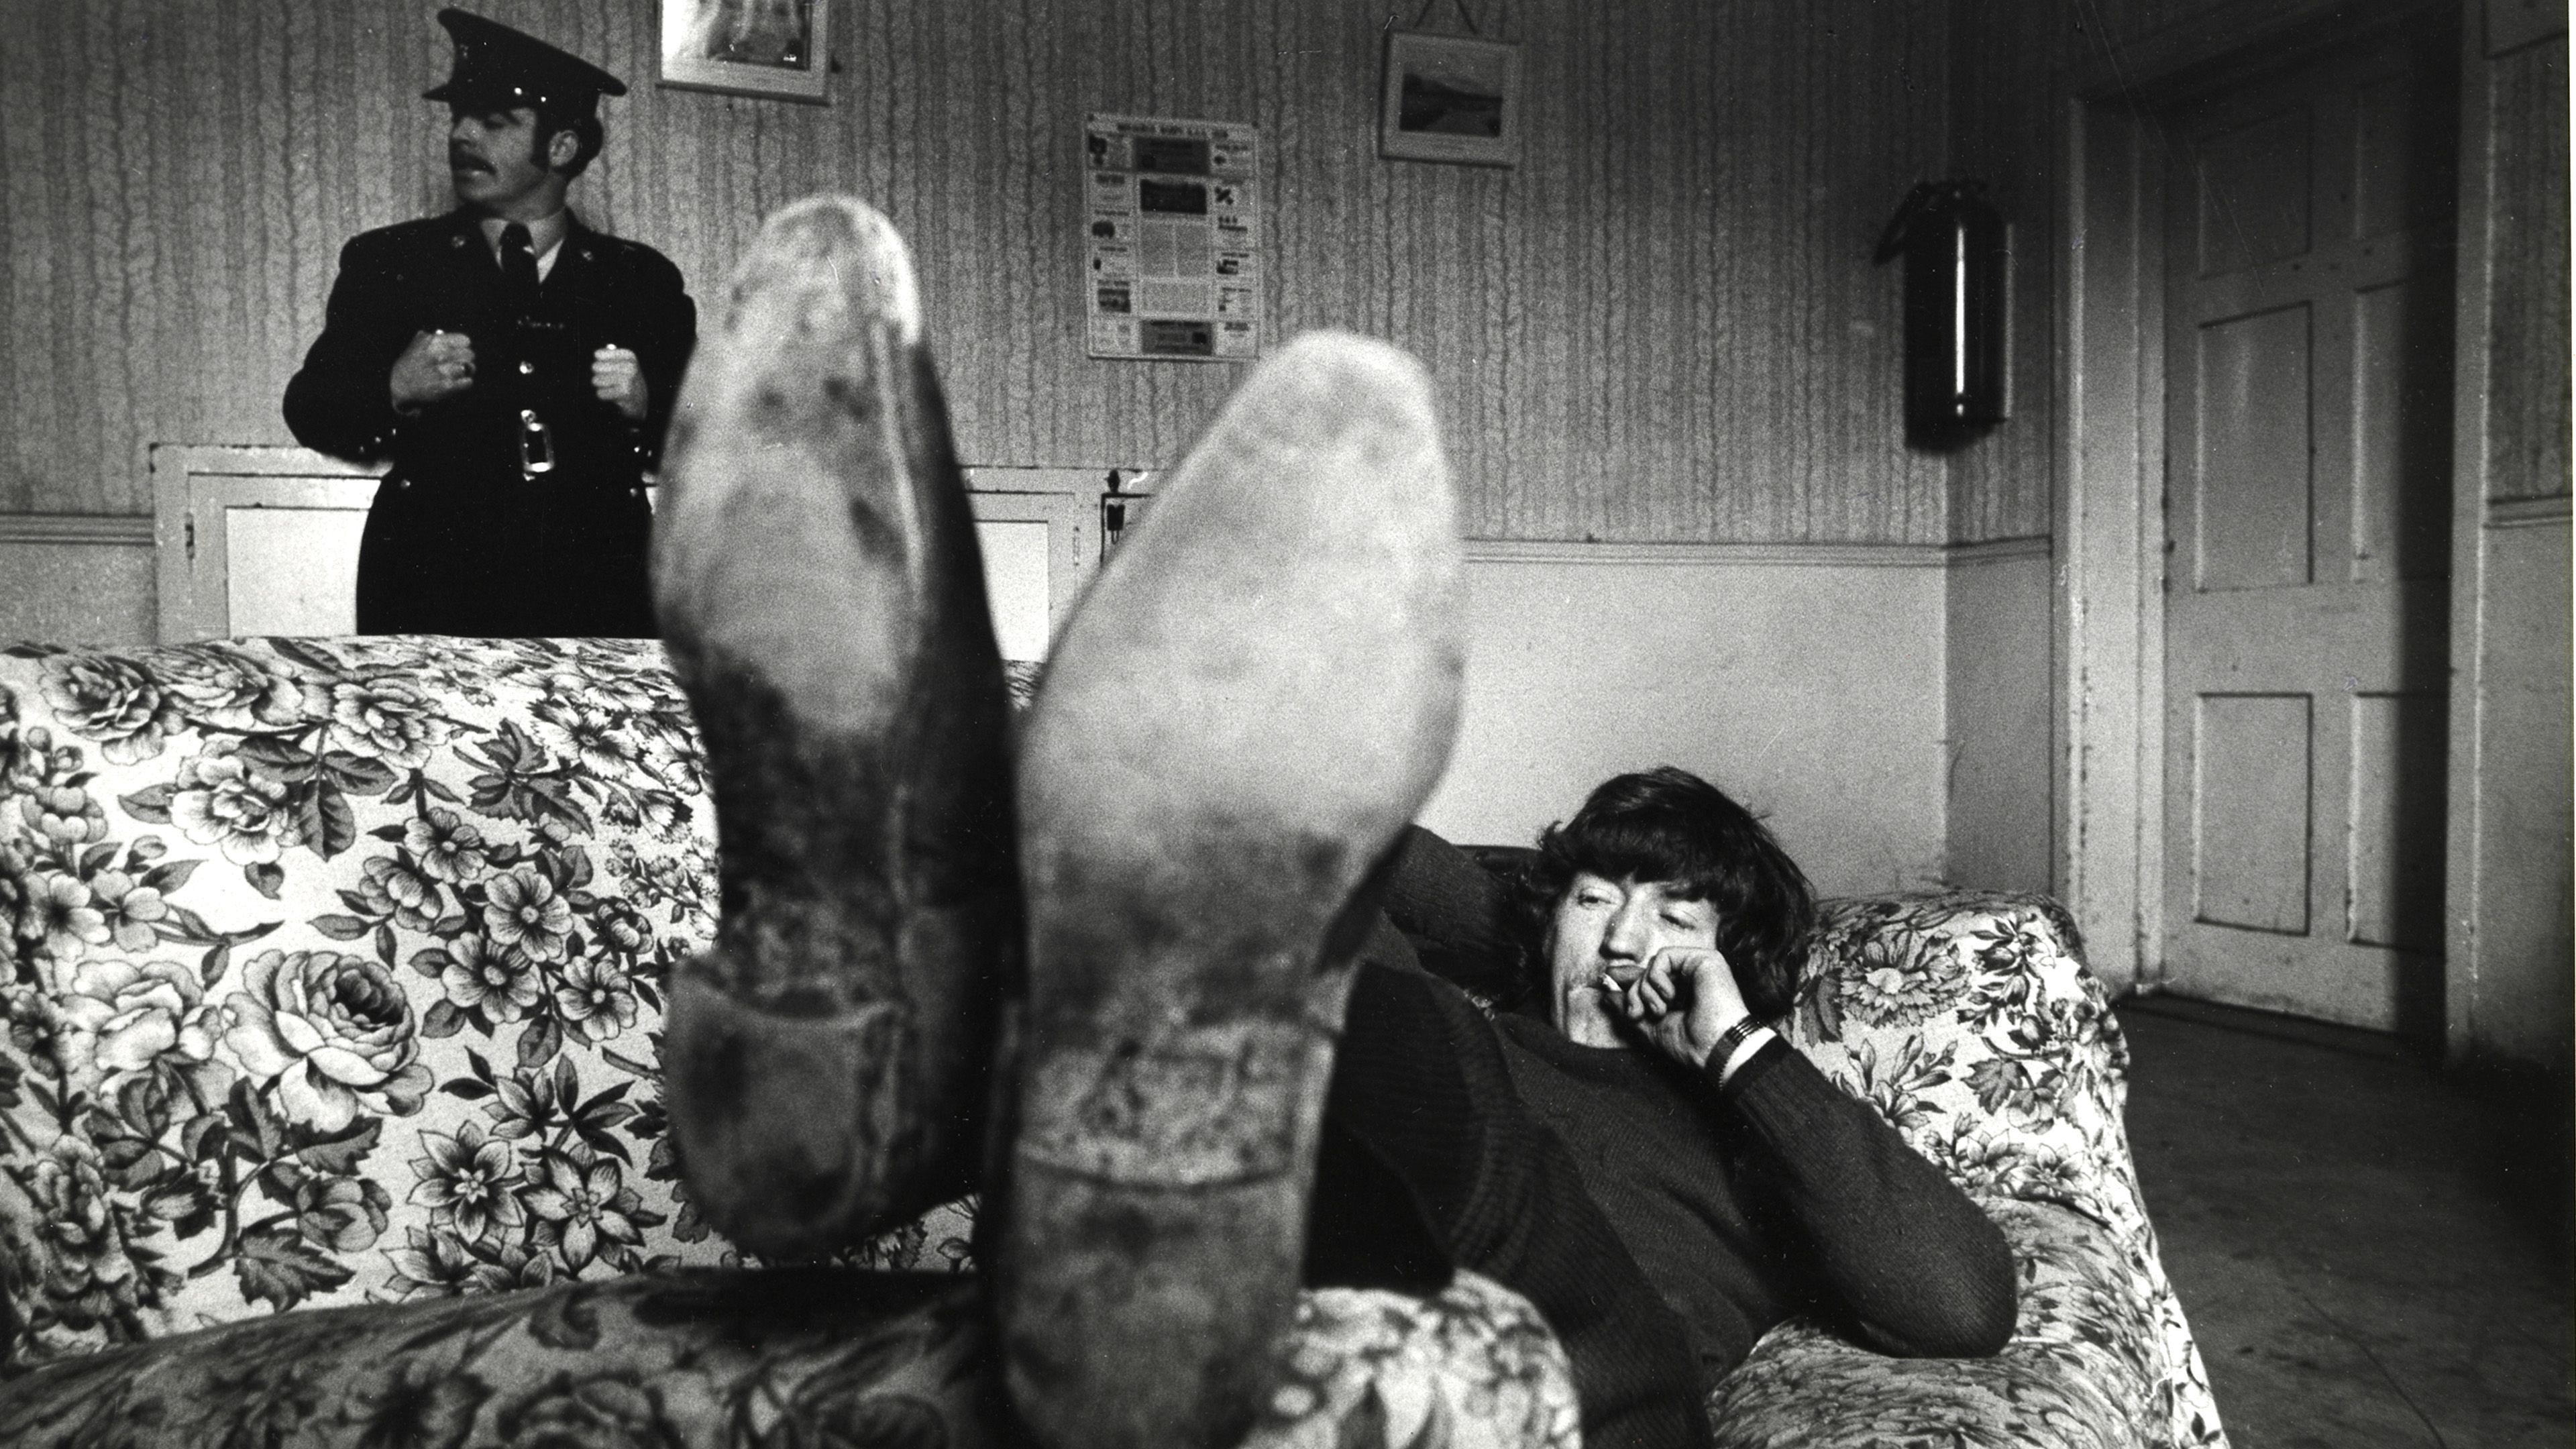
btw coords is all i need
(2370, 1253)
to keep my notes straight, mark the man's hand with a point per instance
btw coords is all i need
(618, 378)
(1684, 1000)
(435, 367)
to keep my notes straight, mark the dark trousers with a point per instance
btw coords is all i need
(505, 559)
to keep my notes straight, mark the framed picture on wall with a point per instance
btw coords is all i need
(747, 47)
(1449, 98)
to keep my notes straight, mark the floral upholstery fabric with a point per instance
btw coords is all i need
(2075, 1375)
(335, 973)
(335, 979)
(1968, 1020)
(759, 1360)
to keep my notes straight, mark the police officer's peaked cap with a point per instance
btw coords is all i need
(498, 65)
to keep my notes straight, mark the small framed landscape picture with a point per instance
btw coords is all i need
(1449, 98)
(747, 47)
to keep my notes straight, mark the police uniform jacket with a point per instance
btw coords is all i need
(466, 536)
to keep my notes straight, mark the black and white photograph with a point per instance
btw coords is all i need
(1451, 98)
(747, 47)
(1281, 724)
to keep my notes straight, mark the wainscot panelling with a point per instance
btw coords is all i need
(1806, 681)
(1663, 325)
(1876, 702)
(2518, 994)
(1995, 647)
(76, 580)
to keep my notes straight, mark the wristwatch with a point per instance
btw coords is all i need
(1732, 1041)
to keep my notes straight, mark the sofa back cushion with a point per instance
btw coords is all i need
(335, 974)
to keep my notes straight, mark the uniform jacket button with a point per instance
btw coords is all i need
(526, 367)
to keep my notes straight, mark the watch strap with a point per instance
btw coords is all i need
(1731, 1042)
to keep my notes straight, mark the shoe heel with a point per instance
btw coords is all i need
(821, 595)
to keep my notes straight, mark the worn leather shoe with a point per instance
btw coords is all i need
(826, 1065)
(1251, 702)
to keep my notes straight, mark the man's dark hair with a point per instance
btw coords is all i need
(587, 136)
(1669, 825)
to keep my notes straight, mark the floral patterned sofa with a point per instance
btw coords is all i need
(334, 982)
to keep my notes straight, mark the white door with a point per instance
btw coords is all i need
(2308, 382)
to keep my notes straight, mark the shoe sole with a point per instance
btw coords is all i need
(821, 593)
(1248, 707)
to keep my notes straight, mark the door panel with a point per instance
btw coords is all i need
(2247, 217)
(2254, 507)
(291, 570)
(2400, 432)
(2390, 191)
(2395, 837)
(2308, 388)
(2250, 827)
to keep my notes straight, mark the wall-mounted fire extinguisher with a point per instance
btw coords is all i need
(1958, 276)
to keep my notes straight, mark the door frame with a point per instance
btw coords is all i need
(2107, 513)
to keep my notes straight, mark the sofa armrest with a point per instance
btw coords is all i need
(2079, 1373)
(1968, 1019)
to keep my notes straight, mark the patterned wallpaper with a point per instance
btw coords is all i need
(1662, 326)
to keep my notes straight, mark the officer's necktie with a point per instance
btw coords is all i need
(519, 268)
(519, 286)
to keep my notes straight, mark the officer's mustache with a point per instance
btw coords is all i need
(460, 159)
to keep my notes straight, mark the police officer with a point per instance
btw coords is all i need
(516, 366)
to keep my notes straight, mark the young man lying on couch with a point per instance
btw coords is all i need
(1109, 976)
(1718, 1183)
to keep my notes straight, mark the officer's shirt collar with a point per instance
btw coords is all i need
(545, 237)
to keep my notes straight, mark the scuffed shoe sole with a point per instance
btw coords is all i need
(815, 566)
(1250, 704)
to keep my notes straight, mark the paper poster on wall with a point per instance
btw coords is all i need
(1171, 252)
